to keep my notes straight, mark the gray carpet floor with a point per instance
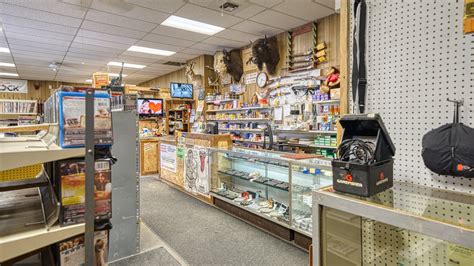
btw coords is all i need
(204, 235)
(157, 256)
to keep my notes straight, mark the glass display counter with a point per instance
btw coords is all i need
(405, 225)
(268, 185)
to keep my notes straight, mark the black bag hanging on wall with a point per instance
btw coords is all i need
(449, 149)
(359, 75)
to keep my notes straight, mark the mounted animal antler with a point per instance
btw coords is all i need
(196, 80)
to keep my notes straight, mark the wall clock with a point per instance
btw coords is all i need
(262, 79)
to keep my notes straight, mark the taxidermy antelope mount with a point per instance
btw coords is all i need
(196, 80)
(265, 50)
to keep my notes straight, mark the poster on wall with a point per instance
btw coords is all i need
(13, 86)
(168, 157)
(196, 170)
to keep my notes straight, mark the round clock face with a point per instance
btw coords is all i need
(262, 79)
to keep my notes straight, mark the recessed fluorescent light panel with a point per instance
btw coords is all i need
(116, 75)
(191, 25)
(8, 74)
(147, 50)
(4, 50)
(6, 64)
(125, 65)
(88, 80)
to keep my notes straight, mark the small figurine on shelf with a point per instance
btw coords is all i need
(332, 80)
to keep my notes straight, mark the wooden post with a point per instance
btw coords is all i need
(344, 64)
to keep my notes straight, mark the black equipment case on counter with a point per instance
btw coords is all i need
(371, 177)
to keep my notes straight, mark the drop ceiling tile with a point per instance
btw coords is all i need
(96, 42)
(40, 56)
(110, 29)
(92, 52)
(181, 56)
(6, 9)
(268, 3)
(206, 47)
(237, 36)
(305, 9)
(143, 55)
(177, 33)
(34, 24)
(257, 28)
(31, 38)
(91, 47)
(28, 43)
(220, 42)
(105, 37)
(245, 9)
(278, 19)
(88, 62)
(158, 66)
(120, 21)
(37, 32)
(167, 6)
(104, 57)
(167, 40)
(125, 9)
(5, 57)
(56, 7)
(196, 52)
(18, 49)
(205, 15)
(135, 59)
(161, 46)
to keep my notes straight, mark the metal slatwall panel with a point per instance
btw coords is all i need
(417, 58)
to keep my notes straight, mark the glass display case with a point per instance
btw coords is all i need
(407, 224)
(269, 185)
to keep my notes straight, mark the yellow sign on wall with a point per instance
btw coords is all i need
(100, 79)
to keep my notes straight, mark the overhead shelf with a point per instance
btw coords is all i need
(327, 101)
(22, 243)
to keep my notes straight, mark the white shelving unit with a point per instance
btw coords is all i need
(22, 243)
(18, 107)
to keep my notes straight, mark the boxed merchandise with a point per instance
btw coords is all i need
(364, 165)
(72, 120)
(335, 94)
(71, 190)
(72, 251)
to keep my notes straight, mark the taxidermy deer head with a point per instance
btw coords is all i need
(265, 50)
(233, 63)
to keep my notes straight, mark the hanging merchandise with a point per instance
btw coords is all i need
(447, 150)
(359, 75)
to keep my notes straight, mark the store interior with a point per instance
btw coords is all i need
(257, 132)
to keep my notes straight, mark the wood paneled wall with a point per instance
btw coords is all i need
(42, 93)
(327, 31)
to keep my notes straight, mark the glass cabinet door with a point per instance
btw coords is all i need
(305, 178)
(256, 183)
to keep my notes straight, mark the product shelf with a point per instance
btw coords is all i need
(16, 154)
(22, 243)
(24, 183)
(238, 109)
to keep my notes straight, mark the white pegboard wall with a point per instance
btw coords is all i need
(417, 57)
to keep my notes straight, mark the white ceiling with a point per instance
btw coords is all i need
(84, 35)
